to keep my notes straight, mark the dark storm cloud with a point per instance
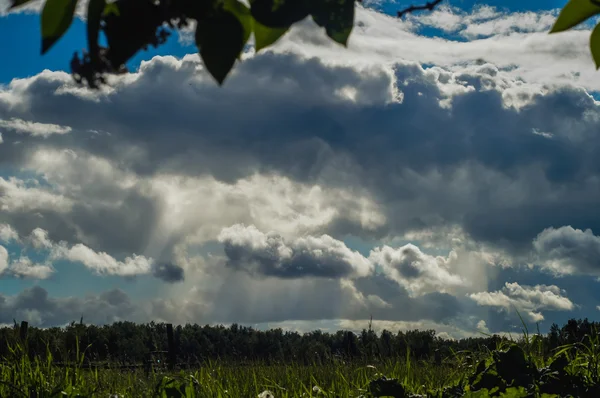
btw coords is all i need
(309, 299)
(169, 272)
(35, 305)
(472, 161)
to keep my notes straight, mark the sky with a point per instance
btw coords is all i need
(441, 172)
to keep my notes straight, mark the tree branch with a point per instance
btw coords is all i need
(430, 5)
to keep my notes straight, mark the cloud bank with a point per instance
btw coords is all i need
(395, 178)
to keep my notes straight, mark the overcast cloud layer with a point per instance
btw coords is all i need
(242, 200)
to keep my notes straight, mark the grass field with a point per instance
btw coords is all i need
(516, 369)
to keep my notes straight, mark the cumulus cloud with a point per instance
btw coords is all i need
(7, 233)
(155, 213)
(528, 300)
(482, 327)
(23, 267)
(206, 294)
(416, 271)
(362, 142)
(485, 21)
(3, 259)
(516, 42)
(103, 263)
(408, 162)
(33, 128)
(100, 263)
(249, 249)
(567, 250)
(17, 195)
(39, 239)
(330, 173)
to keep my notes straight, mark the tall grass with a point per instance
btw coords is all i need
(22, 376)
(457, 375)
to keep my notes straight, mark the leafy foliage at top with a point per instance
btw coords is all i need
(223, 27)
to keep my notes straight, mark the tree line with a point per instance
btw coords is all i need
(132, 343)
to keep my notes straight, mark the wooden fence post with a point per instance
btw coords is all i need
(23, 331)
(171, 342)
(23, 336)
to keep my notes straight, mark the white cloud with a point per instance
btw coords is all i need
(482, 327)
(23, 267)
(17, 195)
(8, 234)
(528, 300)
(179, 209)
(34, 129)
(3, 259)
(485, 21)
(103, 263)
(39, 239)
(511, 23)
(444, 18)
(99, 262)
(418, 272)
(249, 249)
(517, 42)
(567, 250)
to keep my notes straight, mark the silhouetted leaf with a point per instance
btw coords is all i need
(595, 45)
(279, 13)
(336, 16)
(221, 38)
(266, 36)
(575, 12)
(57, 16)
(384, 387)
(559, 364)
(242, 13)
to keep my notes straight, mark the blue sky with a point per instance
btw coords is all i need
(438, 173)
